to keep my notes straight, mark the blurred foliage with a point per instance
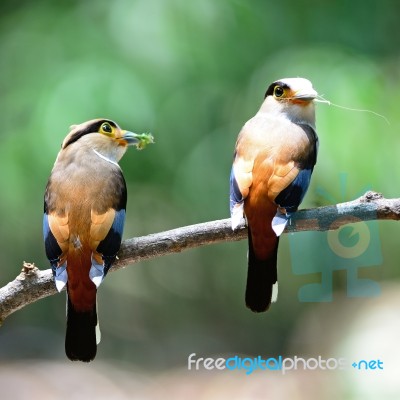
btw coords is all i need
(191, 73)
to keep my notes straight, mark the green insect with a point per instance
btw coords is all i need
(144, 140)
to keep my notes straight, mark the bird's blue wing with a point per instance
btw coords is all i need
(291, 197)
(236, 201)
(235, 196)
(110, 245)
(52, 248)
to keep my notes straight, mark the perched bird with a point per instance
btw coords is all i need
(274, 158)
(84, 213)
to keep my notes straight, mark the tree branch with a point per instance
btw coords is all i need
(33, 284)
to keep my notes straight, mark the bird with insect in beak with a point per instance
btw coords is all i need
(274, 158)
(84, 214)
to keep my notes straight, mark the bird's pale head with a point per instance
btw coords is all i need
(292, 90)
(104, 136)
(292, 96)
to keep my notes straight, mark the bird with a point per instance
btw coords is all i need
(274, 157)
(84, 214)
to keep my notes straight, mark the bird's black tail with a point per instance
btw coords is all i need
(261, 276)
(80, 338)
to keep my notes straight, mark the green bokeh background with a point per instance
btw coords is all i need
(191, 72)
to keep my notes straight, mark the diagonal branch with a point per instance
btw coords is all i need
(33, 284)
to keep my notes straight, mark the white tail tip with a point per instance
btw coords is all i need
(98, 333)
(274, 297)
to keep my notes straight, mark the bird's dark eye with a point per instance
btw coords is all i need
(278, 91)
(106, 127)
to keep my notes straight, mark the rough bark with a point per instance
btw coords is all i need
(33, 284)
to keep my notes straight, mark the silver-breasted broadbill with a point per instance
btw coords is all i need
(273, 161)
(84, 214)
